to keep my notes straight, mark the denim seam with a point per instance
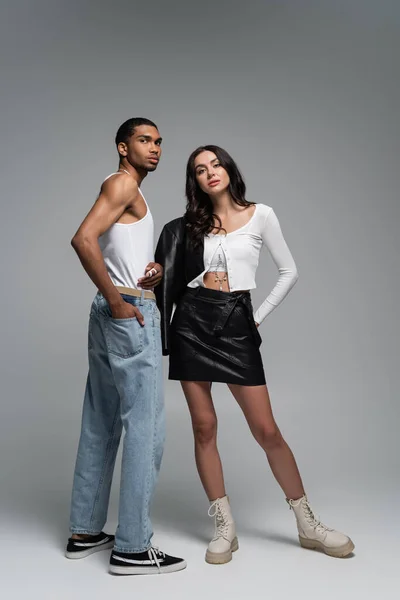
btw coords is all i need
(107, 456)
(151, 473)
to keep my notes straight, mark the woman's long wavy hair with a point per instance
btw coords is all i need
(200, 218)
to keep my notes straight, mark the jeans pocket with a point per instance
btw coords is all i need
(124, 337)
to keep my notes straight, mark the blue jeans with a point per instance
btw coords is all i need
(124, 390)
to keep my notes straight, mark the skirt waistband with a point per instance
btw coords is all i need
(215, 295)
(227, 301)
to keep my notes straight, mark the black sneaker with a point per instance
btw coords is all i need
(85, 547)
(150, 562)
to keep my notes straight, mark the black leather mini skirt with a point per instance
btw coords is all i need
(213, 337)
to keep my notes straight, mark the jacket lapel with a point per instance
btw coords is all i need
(198, 254)
(194, 262)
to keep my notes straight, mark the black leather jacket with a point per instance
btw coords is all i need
(182, 263)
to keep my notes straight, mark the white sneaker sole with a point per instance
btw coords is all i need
(221, 558)
(89, 551)
(116, 570)
(340, 552)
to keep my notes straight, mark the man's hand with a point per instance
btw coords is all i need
(153, 276)
(125, 310)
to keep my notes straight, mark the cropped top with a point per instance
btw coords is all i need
(241, 249)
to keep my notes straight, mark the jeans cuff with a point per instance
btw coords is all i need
(84, 531)
(131, 550)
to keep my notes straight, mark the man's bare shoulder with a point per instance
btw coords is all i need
(120, 187)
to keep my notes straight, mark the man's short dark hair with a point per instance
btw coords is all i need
(127, 129)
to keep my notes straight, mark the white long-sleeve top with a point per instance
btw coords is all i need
(242, 251)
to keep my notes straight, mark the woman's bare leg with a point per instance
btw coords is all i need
(204, 422)
(256, 406)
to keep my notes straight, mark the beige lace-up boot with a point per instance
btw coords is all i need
(224, 542)
(315, 535)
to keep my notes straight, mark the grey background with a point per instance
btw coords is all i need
(305, 95)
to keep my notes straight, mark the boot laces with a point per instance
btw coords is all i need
(311, 518)
(221, 520)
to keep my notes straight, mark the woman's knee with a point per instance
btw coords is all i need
(205, 431)
(268, 436)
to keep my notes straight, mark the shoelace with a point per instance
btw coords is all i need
(310, 517)
(221, 520)
(313, 520)
(154, 554)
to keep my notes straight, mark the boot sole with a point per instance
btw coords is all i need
(221, 558)
(340, 552)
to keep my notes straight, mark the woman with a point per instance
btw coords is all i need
(210, 257)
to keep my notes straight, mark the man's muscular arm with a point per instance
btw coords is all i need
(116, 194)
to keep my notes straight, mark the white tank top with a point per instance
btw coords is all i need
(127, 249)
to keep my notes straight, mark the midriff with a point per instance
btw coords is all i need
(210, 283)
(209, 280)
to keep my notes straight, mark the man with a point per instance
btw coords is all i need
(124, 386)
